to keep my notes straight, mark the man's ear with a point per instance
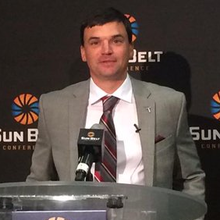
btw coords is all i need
(83, 54)
(131, 50)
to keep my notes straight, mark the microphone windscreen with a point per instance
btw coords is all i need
(91, 141)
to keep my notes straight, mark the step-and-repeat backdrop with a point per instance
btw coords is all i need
(177, 44)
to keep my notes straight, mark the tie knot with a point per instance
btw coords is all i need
(109, 102)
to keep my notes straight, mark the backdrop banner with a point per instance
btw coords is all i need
(176, 45)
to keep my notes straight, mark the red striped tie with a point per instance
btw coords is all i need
(106, 170)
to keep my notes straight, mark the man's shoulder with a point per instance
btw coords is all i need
(154, 89)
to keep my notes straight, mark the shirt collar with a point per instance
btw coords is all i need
(124, 92)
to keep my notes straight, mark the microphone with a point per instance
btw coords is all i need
(137, 128)
(90, 144)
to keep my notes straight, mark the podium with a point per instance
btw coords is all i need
(95, 201)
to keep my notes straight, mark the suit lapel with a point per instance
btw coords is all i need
(77, 116)
(146, 118)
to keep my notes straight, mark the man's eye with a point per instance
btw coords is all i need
(118, 41)
(94, 43)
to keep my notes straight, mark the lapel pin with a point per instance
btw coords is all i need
(148, 109)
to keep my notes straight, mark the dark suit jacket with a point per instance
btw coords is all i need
(169, 154)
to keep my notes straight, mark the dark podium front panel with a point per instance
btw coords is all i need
(59, 215)
(100, 201)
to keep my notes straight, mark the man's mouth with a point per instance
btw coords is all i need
(107, 61)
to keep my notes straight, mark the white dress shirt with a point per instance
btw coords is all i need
(130, 168)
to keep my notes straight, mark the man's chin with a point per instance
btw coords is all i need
(113, 76)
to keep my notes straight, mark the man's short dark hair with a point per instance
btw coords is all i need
(105, 16)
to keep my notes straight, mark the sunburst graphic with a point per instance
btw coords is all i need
(215, 106)
(25, 109)
(134, 26)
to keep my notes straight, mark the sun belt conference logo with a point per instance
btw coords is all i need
(25, 109)
(57, 218)
(215, 106)
(141, 59)
(91, 134)
(134, 26)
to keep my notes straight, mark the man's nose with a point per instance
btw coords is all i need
(106, 47)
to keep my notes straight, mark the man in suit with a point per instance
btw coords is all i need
(154, 145)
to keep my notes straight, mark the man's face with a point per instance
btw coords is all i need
(107, 51)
